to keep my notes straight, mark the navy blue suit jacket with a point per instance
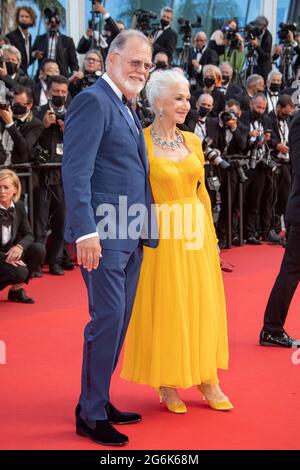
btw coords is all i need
(104, 158)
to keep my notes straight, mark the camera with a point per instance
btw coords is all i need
(142, 20)
(40, 155)
(284, 29)
(227, 116)
(52, 13)
(231, 36)
(252, 31)
(212, 155)
(186, 27)
(240, 165)
(90, 79)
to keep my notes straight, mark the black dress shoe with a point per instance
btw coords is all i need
(101, 432)
(235, 241)
(19, 296)
(282, 340)
(36, 274)
(273, 237)
(56, 269)
(253, 241)
(68, 265)
(115, 416)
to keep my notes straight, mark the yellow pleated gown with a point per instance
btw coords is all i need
(177, 336)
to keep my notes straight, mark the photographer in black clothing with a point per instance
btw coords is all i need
(54, 45)
(262, 47)
(281, 120)
(165, 38)
(19, 129)
(259, 126)
(233, 139)
(93, 68)
(49, 68)
(199, 56)
(93, 39)
(49, 206)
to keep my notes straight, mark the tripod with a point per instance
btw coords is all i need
(184, 55)
(286, 62)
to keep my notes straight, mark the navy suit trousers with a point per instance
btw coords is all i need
(111, 292)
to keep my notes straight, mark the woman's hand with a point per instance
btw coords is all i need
(14, 254)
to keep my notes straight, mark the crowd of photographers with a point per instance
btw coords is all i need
(243, 99)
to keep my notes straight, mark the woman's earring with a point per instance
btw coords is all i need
(161, 113)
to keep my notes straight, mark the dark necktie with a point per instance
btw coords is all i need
(126, 101)
(7, 216)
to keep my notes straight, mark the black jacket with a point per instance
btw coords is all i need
(209, 56)
(16, 39)
(264, 62)
(166, 42)
(25, 136)
(276, 134)
(219, 101)
(20, 80)
(21, 232)
(293, 207)
(85, 44)
(65, 53)
(233, 92)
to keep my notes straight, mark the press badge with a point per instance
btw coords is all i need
(60, 149)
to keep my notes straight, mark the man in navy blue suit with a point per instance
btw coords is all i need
(105, 171)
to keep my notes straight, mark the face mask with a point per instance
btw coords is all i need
(225, 79)
(164, 23)
(161, 65)
(19, 109)
(276, 57)
(274, 87)
(257, 115)
(24, 25)
(203, 112)
(58, 101)
(11, 68)
(208, 82)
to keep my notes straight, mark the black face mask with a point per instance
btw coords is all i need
(274, 87)
(256, 115)
(161, 65)
(19, 109)
(24, 25)
(58, 101)
(164, 23)
(225, 79)
(208, 82)
(203, 112)
(11, 68)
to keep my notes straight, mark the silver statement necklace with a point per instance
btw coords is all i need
(167, 144)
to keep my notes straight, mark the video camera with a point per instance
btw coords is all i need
(52, 19)
(212, 154)
(284, 29)
(186, 27)
(142, 20)
(40, 155)
(231, 36)
(252, 31)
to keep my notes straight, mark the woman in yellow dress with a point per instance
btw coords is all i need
(177, 336)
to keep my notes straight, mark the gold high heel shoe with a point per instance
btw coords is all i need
(178, 407)
(224, 405)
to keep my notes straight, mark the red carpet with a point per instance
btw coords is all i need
(40, 381)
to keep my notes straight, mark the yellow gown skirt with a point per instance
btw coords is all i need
(177, 336)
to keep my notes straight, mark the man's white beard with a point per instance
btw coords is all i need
(131, 88)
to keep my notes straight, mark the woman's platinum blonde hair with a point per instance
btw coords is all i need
(160, 81)
(4, 174)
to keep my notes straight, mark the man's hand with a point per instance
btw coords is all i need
(38, 55)
(3, 70)
(76, 76)
(254, 133)
(89, 253)
(61, 124)
(7, 116)
(99, 8)
(282, 148)
(254, 42)
(49, 119)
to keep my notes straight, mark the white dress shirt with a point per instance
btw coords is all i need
(6, 231)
